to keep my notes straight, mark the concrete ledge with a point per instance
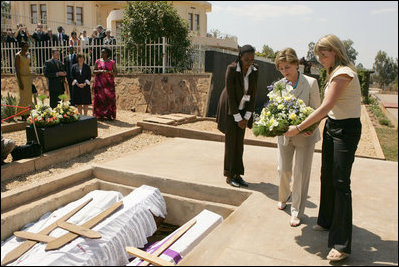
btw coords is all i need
(21, 215)
(180, 209)
(232, 197)
(374, 137)
(172, 131)
(24, 166)
(23, 194)
(12, 127)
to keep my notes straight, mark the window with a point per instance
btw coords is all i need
(197, 26)
(70, 14)
(79, 15)
(43, 14)
(33, 14)
(190, 21)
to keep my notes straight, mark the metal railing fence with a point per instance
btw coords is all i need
(151, 57)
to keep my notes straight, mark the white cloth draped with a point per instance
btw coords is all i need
(206, 222)
(130, 225)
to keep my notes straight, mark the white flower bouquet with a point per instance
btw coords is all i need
(283, 110)
(66, 112)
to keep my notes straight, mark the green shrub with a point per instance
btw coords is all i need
(386, 122)
(8, 111)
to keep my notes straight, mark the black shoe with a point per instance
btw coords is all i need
(232, 182)
(241, 181)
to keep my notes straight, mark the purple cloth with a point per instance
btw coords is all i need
(169, 252)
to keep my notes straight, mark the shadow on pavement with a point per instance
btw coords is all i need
(367, 247)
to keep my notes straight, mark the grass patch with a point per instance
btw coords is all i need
(389, 142)
(387, 134)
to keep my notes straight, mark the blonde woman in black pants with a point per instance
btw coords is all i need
(235, 112)
(341, 135)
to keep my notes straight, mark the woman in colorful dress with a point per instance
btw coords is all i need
(104, 100)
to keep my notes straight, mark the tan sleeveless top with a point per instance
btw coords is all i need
(348, 104)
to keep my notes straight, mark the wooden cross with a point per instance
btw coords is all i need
(154, 257)
(55, 243)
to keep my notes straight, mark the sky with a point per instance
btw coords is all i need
(371, 25)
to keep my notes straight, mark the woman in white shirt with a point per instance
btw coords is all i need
(305, 88)
(341, 136)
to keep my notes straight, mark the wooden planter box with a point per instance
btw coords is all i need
(62, 135)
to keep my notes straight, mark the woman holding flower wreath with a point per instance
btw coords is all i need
(305, 88)
(341, 135)
(235, 110)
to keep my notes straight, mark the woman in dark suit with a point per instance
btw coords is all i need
(235, 110)
(81, 75)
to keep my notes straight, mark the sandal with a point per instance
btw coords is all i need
(295, 221)
(335, 255)
(281, 205)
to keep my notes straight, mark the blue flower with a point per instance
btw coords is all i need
(270, 88)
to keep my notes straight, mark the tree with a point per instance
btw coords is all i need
(360, 66)
(267, 52)
(386, 69)
(310, 55)
(350, 51)
(152, 20)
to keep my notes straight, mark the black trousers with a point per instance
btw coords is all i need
(233, 148)
(340, 140)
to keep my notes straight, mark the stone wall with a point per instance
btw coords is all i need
(152, 93)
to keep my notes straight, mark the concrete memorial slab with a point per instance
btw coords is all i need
(257, 227)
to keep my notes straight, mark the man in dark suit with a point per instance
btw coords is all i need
(54, 71)
(51, 40)
(68, 62)
(39, 36)
(62, 38)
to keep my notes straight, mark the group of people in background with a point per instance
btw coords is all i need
(341, 106)
(46, 40)
(71, 74)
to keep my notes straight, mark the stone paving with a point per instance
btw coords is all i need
(257, 233)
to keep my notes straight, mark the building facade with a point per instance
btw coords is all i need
(86, 15)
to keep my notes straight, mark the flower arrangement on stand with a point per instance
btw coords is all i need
(66, 112)
(283, 110)
(43, 115)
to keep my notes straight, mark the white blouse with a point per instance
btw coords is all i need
(348, 104)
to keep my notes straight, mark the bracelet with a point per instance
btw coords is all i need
(299, 129)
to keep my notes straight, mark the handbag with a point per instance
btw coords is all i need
(29, 150)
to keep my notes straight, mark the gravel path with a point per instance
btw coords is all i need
(125, 119)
